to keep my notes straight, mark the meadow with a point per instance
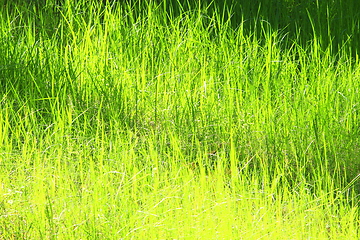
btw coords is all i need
(145, 121)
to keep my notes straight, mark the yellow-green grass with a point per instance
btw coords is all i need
(117, 124)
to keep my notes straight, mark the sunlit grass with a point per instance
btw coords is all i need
(148, 126)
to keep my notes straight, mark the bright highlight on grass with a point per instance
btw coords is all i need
(121, 121)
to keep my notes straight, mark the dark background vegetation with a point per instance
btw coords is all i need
(335, 23)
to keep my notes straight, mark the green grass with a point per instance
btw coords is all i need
(120, 123)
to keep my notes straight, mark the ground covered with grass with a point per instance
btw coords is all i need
(117, 123)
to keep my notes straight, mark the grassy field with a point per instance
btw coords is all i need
(130, 122)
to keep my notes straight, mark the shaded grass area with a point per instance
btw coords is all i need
(116, 124)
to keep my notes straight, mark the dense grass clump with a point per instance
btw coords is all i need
(149, 121)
